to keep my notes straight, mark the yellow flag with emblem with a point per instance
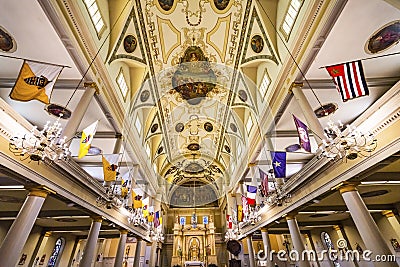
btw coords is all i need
(35, 81)
(86, 139)
(110, 167)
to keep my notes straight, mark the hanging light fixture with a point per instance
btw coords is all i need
(279, 196)
(346, 142)
(157, 234)
(39, 145)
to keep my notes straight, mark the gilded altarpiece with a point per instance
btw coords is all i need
(194, 243)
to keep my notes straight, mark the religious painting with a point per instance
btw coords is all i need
(144, 96)
(257, 43)
(166, 4)
(194, 77)
(395, 244)
(221, 4)
(7, 43)
(130, 43)
(188, 195)
(384, 38)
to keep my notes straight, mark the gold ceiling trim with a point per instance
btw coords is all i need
(168, 23)
(214, 30)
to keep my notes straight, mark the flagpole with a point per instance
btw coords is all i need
(366, 58)
(36, 61)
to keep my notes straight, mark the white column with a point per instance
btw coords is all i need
(19, 231)
(267, 246)
(80, 110)
(393, 221)
(365, 224)
(121, 248)
(312, 120)
(137, 252)
(250, 249)
(91, 242)
(296, 238)
(42, 246)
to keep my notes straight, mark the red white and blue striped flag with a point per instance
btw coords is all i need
(349, 79)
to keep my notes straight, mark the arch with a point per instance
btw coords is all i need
(57, 251)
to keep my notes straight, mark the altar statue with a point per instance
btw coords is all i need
(194, 251)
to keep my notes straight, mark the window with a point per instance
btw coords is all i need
(56, 252)
(148, 151)
(290, 17)
(249, 124)
(138, 125)
(266, 81)
(122, 84)
(95, 15)
(326, 239)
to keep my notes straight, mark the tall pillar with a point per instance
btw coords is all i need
(91, 242)
(121, 248)
(250, 249)
(312, 120)
(19, 231)
(365, 224)
(342, 235)
(80, 110)
(296, 238)
(40, 247)
(137, 252)
(267, 246)
(393, 221)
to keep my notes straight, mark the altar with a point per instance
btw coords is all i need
(194, 263)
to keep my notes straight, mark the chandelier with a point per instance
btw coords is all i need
(232, 234)
(350, 145)
(253, 216)
(156, 234)
(39, 145)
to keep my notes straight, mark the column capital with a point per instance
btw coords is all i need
(40, 191)
(47, 234)
(346, 187)
(138, 238)
(295, 85)
(388, 213)
(264, 229)
(337, 228)
(92, 85)
(123, 231)
(291, 216)
(97, 219)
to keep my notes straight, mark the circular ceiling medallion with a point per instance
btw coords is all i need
(233, 127)
(94, 151)
(160, 150)
(242, 95)
(227, 148)
(179, 127)
(7, 43)
(11, 199)
(193, 147)
(325, 110)
(292, 148)
(374, 193)
(257, 43)
(194, 167)
(130, 43)
(144, 96)
(66, 220)
(58, 111)
(154, 128)
(384, 38)
(208, 126)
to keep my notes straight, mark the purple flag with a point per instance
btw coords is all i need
(303, 134)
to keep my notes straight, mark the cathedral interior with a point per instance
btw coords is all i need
(214, 133)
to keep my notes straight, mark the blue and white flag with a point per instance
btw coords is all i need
(279, 163)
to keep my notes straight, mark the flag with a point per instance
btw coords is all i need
(137, 195)
(124, 188)
(86, 139)
(110, 167)
(251, 194)
(35, 81)
(245, 207)
(157, 219)
(229, 222)
(349, 79)
(150, 218)
(240, 213)
(264, 183)
(303, 134)
(145, 205)
(279, 163)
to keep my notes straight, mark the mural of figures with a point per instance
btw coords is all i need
(221, 4)
(130, 43)
(257, 43)
(166, 4)
(7, 43)
(188, 196)
(386, 37)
